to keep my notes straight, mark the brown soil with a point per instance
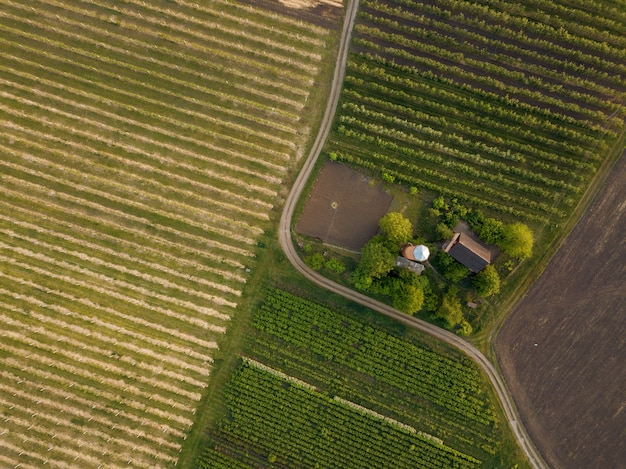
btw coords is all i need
(343, 208)
(321, 14)
(563, 349)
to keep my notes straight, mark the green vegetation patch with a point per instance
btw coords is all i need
(392, 373)
(507, 107)
(143, 147)
(291, 424)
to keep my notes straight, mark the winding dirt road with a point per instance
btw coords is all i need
(287, 245)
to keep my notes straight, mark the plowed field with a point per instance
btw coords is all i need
(562, 349)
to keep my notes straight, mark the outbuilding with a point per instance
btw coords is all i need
(470, 252)
(419, 253)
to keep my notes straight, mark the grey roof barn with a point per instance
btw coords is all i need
(471, 253)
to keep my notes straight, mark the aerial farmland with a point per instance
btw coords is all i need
(150, 316)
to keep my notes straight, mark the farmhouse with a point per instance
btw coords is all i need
(470, 252)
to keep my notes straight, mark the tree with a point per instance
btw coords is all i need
(450, 308)
(315, 261)
(376, 261)
(451, 269)
(444, 231)
(396, 229)
(408, 298)
(407, 291)
(492, 231)
(517, 241)
(487, 282)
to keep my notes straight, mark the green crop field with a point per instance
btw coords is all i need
(143, 146)
(507, 106)
(323, 388)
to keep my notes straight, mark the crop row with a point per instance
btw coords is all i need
(380, 355)
(148, 41)
(491, 77)
(357, 386)
(144, 146)
(191, 342)
(537, 34)
(514, 150)
(113, 126)
(368, 77)
(462, 121)
(452, 146)
(467, 32)
(480, 99)
(303, 426)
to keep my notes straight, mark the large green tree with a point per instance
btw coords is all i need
(487, 282)
(450, 309)
(396, 229)
(408, 298)
(407, 291)
(517, 241)
(376, 262)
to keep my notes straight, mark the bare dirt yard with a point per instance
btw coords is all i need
(343, 208)
(562, 350)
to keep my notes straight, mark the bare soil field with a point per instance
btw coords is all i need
(343, 208)
(562, 349)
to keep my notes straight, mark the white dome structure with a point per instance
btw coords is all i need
(418, 253)
(421, 253)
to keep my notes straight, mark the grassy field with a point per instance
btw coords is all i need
(143, 149)
(510, 108)
(358, 391)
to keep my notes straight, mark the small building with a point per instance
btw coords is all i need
(418, 253)
(404, 263)
(470, 252)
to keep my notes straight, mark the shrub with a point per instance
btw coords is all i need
(450, 309)
(443, 231)
(440, 204)
(451, 269)
(315, 261)
(465, 328)
(335, 265)
(389, 178)
(491, 231)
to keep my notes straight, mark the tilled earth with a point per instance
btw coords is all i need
(343, 208)
(563, 349)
